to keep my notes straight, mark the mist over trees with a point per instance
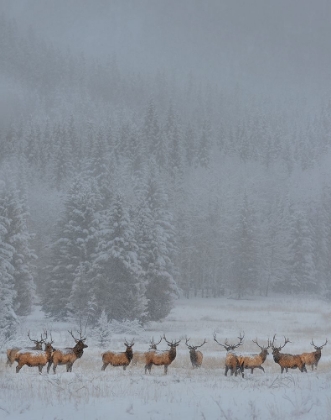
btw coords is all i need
(126, 182)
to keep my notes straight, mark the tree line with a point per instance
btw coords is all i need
(160, 187)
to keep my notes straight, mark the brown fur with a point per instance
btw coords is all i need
(287, 361)
(11, 353)
(161, 359)
(312, 359)
(34, 358)
(68, 355)
(232, 362)
(256, 361)
(118, 359)
(140, 357)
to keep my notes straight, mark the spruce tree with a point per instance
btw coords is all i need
(74, 245)
(157, 249)
(116, 270)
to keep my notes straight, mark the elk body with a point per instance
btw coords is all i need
(161, 359)
(287, 361)
(312, 359)
(34, 358)
(118, 359)
(67, 356)
(232, 361)
(140, 357)
(196, 357)
(11, 353)
(255, 362)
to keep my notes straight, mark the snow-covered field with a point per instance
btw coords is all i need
(185, 393)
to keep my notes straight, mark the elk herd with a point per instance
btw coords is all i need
(37, 356)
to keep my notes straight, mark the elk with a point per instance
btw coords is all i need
(118, 359)
(34, 358)
(11, 353)
(256, 361)
(232, 361)
(67, 356)
(313, 358)
(140, 357)
(195, 356)
(164, 358)
(287, 361)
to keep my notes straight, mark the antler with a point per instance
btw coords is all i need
(255, 342)
(319, 347)
(194, 347)
(35, 341)
(153, 344)
(225, 345)
(186, 342)
(241, 337)
(228, 346)
(172, 343)
(127, 344)
(76, 339)
(285, 342)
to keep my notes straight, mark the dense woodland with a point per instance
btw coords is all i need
(122, 190)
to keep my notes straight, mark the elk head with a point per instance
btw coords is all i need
(193, 348)
(263, 349)
(276, 350)
(173, 344)
(153, 345)
(38, 343)
(317, 348)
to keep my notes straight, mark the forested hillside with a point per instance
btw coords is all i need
(121, 190)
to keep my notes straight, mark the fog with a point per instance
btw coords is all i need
(182, 146)
(269, 46)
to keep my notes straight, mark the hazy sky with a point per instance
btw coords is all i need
(282, 44)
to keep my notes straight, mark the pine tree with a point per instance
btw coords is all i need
(19, 237)
(102, 330)
(302, 264)
(7, 294)
(157, 248)
(245, 259)
(74, 245)
(116, 269)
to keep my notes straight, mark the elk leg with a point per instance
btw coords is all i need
(104, 366)
(54, 368)
(226, 370)
(40, 367)
(165, 369)
(69, 367)
(49, 366)
(18, 368)
(148, 368)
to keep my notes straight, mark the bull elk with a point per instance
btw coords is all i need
(287, 361)
(67, 356)
(196, 357)
(232, 361)
(11, 353)
(256, 361)
(34, 358)
(164, 358)
(140, 357)
(118, 359)
(313, 358)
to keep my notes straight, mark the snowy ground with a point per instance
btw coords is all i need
(87, 393)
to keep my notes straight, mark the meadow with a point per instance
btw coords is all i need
(204, 393)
